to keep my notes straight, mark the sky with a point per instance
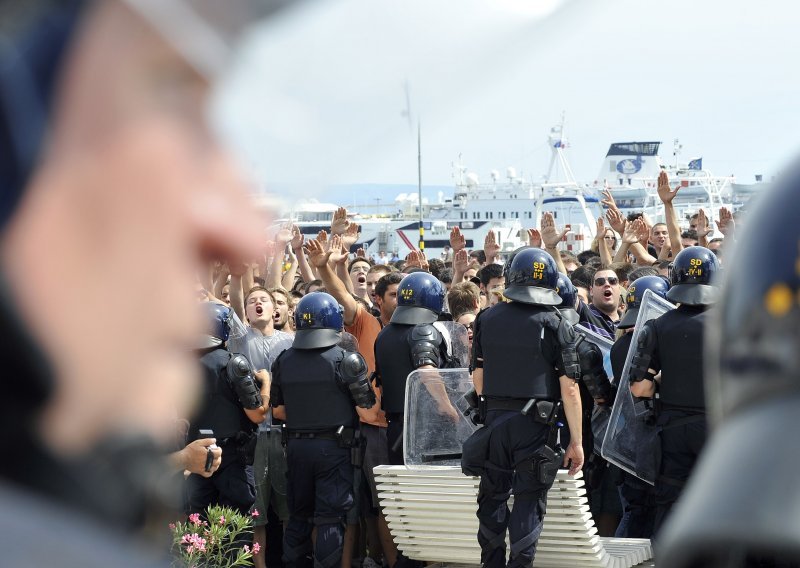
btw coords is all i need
(321, 97)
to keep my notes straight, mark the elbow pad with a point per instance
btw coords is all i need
(593, 373)
(353, 376)
(643, 357)
(568, 341)
(424, 341)
(243, 383)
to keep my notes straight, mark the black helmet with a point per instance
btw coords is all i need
(742, 500)
(217, 324)
(569, 296)
(532, 278)
(420, 298)
(319, 320)
(692, 275)
(633, 299)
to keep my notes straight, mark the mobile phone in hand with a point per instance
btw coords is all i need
(209, 455)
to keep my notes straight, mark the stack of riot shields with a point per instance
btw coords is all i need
(436, 421)
(631, 436)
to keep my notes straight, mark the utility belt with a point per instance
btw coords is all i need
(543, 411)
(243, 444)
(348, 438)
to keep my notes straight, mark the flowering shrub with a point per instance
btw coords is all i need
(215, 541)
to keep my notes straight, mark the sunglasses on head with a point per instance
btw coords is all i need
(601, 281)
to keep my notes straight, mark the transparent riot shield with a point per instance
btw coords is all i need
(631, 431)
(457, 339)
(600, 413)
(260, 350)
(435, 428)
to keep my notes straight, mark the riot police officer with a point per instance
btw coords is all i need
(673, 345)
(234, 402)
(637, 496)
(315, 389)
(410, 342)
(524, 367)
(741, 505)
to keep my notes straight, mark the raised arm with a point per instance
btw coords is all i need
(602, 245)
(237, 293)
(490, 248)
(551, 236)
(666, 195)
(460, 265)
(703, 228)
(318, 257)
(302, 262)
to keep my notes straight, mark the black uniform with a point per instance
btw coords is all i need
(678, 354)
(307, 382)
(517, 347)
(394, 361)
(638, 497)
(232, 485)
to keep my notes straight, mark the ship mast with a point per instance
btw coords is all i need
(558, 142)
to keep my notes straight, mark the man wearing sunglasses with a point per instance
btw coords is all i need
(601, 315)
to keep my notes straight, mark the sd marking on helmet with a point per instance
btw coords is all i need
(695, 267)
(538, 270)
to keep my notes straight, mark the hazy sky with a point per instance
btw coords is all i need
(319, 98)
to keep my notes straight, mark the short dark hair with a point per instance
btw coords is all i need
(400, 265)
(480, 255)
(586, 255)
(594, 262)
(621, 269)
(689, 234)
(257, 288)
(633, 216)
(435, 265)
(488, 272)
(641, 272)
(446, 276)
(258, 281)
(567, 256)
(583, 276)
(358, 259)
(463, 298)
(316, 282)
(385, 268)
(385, 281)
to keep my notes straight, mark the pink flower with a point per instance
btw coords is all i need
(172, 526)
(195, 518)
(222, 520)
(256, 548)
(246, 549)
(194, 543)
(255, 513)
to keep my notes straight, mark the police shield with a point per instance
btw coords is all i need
(260, 350)
(434, 427)
(600, 413)
(631, 438)
(457, 339)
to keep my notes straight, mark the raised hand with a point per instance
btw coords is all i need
(630, 235)
(490, 247)
(608, 200)
(297, 239)
(350, 235)
(534, 238)
(416, 259)
(339, 222)
(457, 240)
(550, 233)
(665, 192)
(616, 220)
(726, 224)
(284, 235)
(317, 255)
(642, 232)
(339, 254)
(361, 253)
(601, 228)
(322, 237)
(703, 228)
(461, 261)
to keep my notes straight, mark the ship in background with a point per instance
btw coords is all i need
(512, 204)
(508, 206)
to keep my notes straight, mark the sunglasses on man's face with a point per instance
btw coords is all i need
(600, 281)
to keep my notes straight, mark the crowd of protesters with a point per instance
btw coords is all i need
(264, 294)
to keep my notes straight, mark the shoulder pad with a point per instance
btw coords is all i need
(238, 366)
(425, 332)
(353, 365)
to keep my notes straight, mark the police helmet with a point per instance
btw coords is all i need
(743, 500)
(319, 321)
(532, 278)
(633, 299)
(569, 296)
(217, 324)
(692, 275)
(420, 298)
